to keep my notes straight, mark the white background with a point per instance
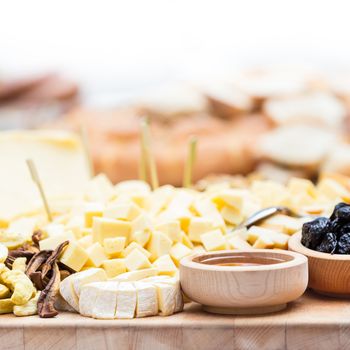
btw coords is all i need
(124, 47)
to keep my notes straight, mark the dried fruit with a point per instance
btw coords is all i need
(328, 244)
(314, 231)
(344, 244)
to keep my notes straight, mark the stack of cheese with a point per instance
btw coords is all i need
(131, 294)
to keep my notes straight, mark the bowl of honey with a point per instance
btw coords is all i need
(244, 282)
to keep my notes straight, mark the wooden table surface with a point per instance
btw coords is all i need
(312, 322)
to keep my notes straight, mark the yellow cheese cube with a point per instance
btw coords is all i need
(92, 210)
(296, 186)
(283, 223)
(179, 251)
(158, 245)
(165, 265)
(136, 260)
(231, 215)
(229, 197)
(99, 189)
(236, 242)
(198, 226)
(280, 240)
(86, 231)
(85, 241)
(261, 237)
(213, 240)
(142, 223)
(172, 229)
(263, 242)
(132, 246)
(185, 240)
(96, 255)
(333, 190)
(114, 246)
(114, 267)
(74, 256)
(23, 226)
(205, 208)
(141, 237)
(54, 241)
(109, 228)
(125, 211)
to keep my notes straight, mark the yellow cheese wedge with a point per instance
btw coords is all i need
(179, 251)
(158, 245)
(136, 260)
(213, 240)
(114, 246)
(165, 265)
(74, 256)
(109, 228)
(96, 255)
(114, 267)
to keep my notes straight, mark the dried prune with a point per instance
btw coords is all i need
(314, 231)
(343, 230)
(336, 208)
(343, 213)
(343, 246)
(328, 244)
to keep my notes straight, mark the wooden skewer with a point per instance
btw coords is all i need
(87, 151)
(190, 160)
(150, 161)
(35, 176)
(143, 157)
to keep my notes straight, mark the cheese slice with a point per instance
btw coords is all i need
(67, 178)
(106, 301)
(126, 300)
(88, 297)
(147, 301)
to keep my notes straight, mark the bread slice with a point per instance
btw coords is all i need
(297, 145)
(321, 108)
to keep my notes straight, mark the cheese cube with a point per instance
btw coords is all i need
(114, 267)
(99, 189)
(53, 229)
(172, 229)
(125, 211)
(263, 242)
(74, 256)
(92, 210)
(54, 241)
(186, 241)
(206, 208)
(297, 186)
(280, 240)
(158, 245)
(142, 223)
(132, 246)
(109, 228)
(96, 255)
(86, 231)
(231, 215)
(136, 260)
(179, 251)
(198, 226)
(141, 237)
(85, 241)
(213, 240)
(165, 265)
(266, 238)
(23, 226)
(229, 197)
(114, 246)
(283, 223)
(136, 275)
(147, 299)
(333, 190)
(236, 242)
(126, 300)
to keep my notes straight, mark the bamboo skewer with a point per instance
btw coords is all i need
(35, 176)
(143, 155)
(148, 154)
(87, 151)
(190, 160)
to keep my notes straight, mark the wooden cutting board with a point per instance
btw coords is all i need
(312, 322)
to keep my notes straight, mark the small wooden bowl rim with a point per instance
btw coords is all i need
(294, 244)
(295, 259)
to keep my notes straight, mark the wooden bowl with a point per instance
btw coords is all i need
(279, 277)
(329, 274)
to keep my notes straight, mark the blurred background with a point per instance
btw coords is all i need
(264, 85)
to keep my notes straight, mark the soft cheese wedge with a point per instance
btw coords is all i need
(106, 301)
(88, 297)
(147, 300)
